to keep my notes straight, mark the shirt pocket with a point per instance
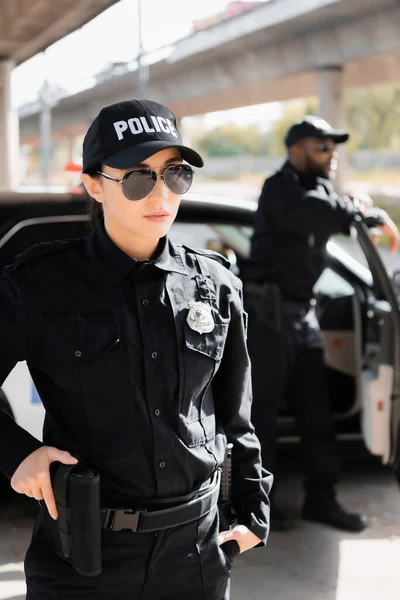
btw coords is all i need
(202, 357)
(78, 341)
(210, 344)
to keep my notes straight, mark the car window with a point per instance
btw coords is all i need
(214, 237)
(348, 251)
(332, 285)
(351, 246)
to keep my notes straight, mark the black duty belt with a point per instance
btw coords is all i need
(142, 520)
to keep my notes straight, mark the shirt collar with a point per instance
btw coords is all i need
(308, 180)
(169, 257)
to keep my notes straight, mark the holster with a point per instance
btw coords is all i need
(265, 300)
(225, 506)
(76, 535)
(226, 515)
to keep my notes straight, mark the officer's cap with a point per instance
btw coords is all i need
(314, 127)
(126, 133)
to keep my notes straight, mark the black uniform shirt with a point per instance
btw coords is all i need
(297, 213)
(126, 383)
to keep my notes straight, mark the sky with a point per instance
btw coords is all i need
(72, 62)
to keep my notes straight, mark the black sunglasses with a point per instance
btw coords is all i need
(325, 147)
(139, 183)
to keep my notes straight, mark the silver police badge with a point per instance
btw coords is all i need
(200, 317)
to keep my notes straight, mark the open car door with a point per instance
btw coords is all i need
(360, 324)
(381, 395)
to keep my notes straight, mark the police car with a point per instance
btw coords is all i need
(357, 306)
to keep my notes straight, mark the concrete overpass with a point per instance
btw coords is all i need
(283, 49)
(26, 28)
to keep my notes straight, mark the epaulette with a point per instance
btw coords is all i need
(210, 254)
(38, 251)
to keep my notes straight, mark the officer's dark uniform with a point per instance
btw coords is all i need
(140, 396)
(297, 214)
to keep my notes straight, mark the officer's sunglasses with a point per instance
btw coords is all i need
(139, 183)
(325, 147)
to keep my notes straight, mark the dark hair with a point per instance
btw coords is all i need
(94, 208)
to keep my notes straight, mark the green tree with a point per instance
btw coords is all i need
(373, 118)
(232, 140)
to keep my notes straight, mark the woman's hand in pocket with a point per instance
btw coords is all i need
(242, 535)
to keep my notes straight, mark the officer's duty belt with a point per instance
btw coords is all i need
(153, 520)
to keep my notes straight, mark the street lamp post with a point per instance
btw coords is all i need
(45, 134)
(49, 96)
(142, 69)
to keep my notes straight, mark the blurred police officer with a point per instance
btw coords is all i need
(297, 213)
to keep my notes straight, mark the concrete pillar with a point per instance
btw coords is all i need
(9, 131)
(331, 108)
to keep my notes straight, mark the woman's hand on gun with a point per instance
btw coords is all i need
(32, 477)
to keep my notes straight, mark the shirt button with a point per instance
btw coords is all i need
(145, 302)
(78, 353)
(157, 412)
(161, 464)
(154, 355)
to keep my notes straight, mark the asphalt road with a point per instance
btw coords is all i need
(317, 563)
(310, 563)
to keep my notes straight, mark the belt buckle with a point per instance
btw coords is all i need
(120, 520)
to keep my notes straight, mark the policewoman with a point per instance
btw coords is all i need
(137, 348)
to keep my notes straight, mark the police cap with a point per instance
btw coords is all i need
(314, 127)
